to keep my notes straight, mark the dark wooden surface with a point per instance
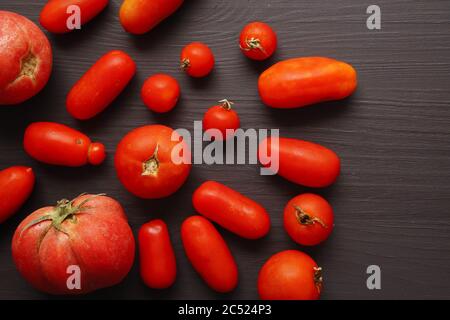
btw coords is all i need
(392, 201)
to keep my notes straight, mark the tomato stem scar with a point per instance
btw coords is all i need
(318, 278)
(226, 104)
(151, 166)
(186, 63)
(252, 44)
(305, 218)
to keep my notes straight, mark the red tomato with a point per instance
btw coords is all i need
(308, 219)
(258, 41)
(88, 237)
(302, 162)
(290, 275)
(300, 82)
(25, 58)
(100, 85)
(221, 117)
(160, 92)
(54, 15)
(144, 162)
(209, 254)
(16, 184)
(158, 265)
(197, 60)
(138, 17)
(232, 210)
(57, 144)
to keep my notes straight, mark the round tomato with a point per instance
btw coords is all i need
(160, 93)
(145, 165)
(76, 246)
(290, 275)
(221, 117)
(258, 41)
(16, 185)
(209, 254)
(158, 265)
(308, 219)
(197, 59)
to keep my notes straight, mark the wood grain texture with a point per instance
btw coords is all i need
(392, 201)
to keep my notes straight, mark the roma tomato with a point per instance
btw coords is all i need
(290, 275)
(222, 117)
(258, 41)
(54, 15)
(100, 85)
(57, 144)
(209, 254)
(75, 247)
(138, 17)
(232, 210)
(158, 265)
(301, 162)
(300, 82)
(16, 185)
(308, 219)
(160, 93)
(197, 59)
(25, 58)
(145, 165)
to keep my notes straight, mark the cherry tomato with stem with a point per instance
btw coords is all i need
(197, 60)
(258, 41)
(160, 93)
(222, 117)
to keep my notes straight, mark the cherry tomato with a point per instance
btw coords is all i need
(54, 15)
(100, 85)
(290, 275)
(160, 92)
(299, 82)
(231, 210)
(57, 144)
(144, 162)
(209, 254)
(158, 265)
(221, 117)
(16, 185)
(308, 219)
(258, 41)
(302, 162)
(138, 16)
(197, 59)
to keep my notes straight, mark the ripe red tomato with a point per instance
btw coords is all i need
(302, 162)
(308, 219)
(100, 85)
(258, 41)
(160, 93)
(57, 144)
(231, 210)
(197, 59)
(158, 265)
(221, 117)
(290, 275)
(299, 82)
(144, 162)
(16, 185)
(138, 17)
(54, 15)
(88, 236)
(25, 58)
(209, 254)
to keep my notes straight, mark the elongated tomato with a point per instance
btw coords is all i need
(16, 184)
(57, 144)
(100, 85)
(158, 265)
(57, 13)
(301, 162)
(140, 16)
(231, 210)
(300, 82)
(209, 254)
